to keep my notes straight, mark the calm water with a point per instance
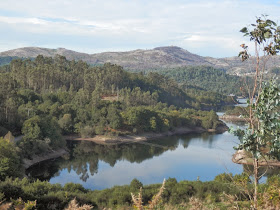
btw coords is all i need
(182, 157)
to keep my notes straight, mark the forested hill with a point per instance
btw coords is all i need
(206, 78)
(143, 60)
(46, 74)
(7, 59)
(46, 97)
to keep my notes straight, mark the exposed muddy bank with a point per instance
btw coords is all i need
(102, 139)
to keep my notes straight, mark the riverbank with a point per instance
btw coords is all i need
(233, 118)
(102, 139)
(242, 157)
(109, 140)
(40, 158)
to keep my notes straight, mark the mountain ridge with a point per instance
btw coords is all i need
(139, 60)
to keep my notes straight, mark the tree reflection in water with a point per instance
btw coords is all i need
(84, 156)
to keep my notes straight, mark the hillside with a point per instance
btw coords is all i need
(152, 59)
(207, 78)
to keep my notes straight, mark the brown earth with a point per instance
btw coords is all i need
(102, 139)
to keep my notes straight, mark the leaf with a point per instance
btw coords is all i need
(267, 35)
(271, 22)
(244, 30)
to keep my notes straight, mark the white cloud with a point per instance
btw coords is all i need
(17, 20)
(120, 24)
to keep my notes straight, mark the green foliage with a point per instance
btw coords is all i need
(10, 164)
(237, 111)
(266, 135)
(264, 32)
(261, 138)
(48, 196)
(66, 123)
(57, 197)
(224, 177)
(3, 131)
(47, 97)
(154, 119)
(89, 131)
(40, 134)
(31, 128)
(135, 185)
(71, 187)
(6, 60)
(206, 78)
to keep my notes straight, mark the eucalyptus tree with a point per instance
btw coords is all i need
(262, 137)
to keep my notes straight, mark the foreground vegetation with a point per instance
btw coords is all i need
(224, 192)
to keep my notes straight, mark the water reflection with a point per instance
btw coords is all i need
(183, 157)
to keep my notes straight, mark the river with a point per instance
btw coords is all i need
(186, 157)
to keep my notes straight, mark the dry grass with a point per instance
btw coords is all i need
(137, 200)
(18, 204)
(230, 200)
(156, 199)
(195, 203)
(138, 203)
(73, 205)
(5, 206)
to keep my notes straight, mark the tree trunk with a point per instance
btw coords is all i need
(256, 182)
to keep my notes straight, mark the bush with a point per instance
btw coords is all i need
(135, 184)
(87, 132)
(71, 187)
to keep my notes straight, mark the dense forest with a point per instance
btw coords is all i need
(7, 59)
(47, 98)
(207, 78)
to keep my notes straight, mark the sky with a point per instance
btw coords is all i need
(204, 27)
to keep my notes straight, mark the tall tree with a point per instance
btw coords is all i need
(262, 137)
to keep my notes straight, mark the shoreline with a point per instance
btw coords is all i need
(113, 140)
(109, 140)
(240, 157)
(232, 118)
(27, 163)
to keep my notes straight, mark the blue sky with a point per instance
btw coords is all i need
(207, 28)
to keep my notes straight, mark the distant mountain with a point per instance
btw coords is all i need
(157, 58)
(32, 52)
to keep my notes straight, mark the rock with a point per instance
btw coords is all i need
(243, 157)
